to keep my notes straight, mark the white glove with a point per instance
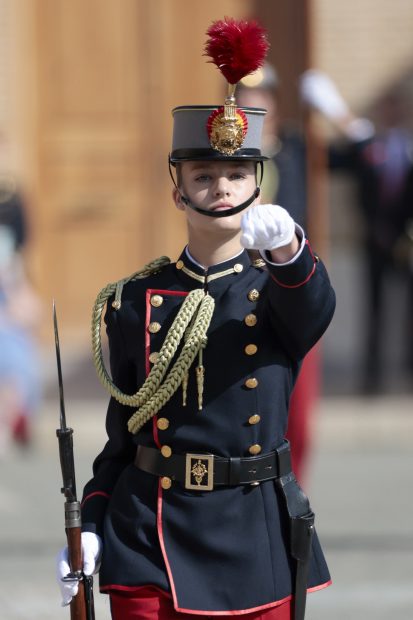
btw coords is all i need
(91, 553)
(320, 92)
(266, 227)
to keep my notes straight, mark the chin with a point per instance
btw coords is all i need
(232, 221)
(219, 226)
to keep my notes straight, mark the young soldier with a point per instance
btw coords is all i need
(193, 509)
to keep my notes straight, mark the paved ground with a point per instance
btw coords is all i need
(360, 484)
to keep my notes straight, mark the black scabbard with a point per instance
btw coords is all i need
(90, 605)
(301, 530)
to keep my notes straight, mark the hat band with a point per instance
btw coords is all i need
(211, 154)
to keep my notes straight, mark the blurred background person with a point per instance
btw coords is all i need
(378, 153)
(12, 209)
(20, 312)
(285, 183)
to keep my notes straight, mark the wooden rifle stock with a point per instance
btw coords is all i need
(78, 609)
(81, 605)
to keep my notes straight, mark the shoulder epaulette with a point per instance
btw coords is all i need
(116, 287)
(151, 268)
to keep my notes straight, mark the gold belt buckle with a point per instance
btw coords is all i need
(199, 472)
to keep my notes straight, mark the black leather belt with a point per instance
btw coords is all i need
(204, 472)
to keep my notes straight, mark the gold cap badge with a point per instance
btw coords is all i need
(227, 127)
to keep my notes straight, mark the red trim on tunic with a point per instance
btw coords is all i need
(294, 285)
(162, 544)
(310, 250)
(320, 587)
(147, 334)
(261, 610)
(102, 493)
(155, 432)
(149, 293)
(161, 291)
(306, 279)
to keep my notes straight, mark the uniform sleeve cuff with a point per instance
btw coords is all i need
(93, 510)
(297, 271)
(300, 233)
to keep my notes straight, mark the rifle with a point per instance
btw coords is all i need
(82, 605)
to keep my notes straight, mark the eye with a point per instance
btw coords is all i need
(202, 178)
(236, 176)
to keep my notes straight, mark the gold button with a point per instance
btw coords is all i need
(153, 356)
(166, 482)
(251, 383)
(254, 419)
(255, 449)
(251, 349)
(156, 301)
(166, 451)
(238, 267)
(179, 264)
(250, 320)
(162, 424)
(258, 262)
(116, 304)
(253, 295)
(154, 327)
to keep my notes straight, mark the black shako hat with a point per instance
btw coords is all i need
(226, 132)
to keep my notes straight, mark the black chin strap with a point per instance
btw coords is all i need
(221, 212)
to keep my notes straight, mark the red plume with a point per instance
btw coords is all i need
(237, 48)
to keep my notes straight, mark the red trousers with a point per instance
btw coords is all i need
(153, 604)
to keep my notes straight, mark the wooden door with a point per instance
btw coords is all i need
(108, 73)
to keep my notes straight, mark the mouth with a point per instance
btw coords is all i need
(222, 207)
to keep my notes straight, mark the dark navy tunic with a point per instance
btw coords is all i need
(224, 550)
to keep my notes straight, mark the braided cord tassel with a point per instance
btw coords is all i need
(98, 307)
(159, 369)
(196, 340)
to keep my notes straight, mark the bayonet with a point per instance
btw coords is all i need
(65, 436)
(81, 606)
(59, 370)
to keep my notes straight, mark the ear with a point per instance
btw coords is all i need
(177, 198)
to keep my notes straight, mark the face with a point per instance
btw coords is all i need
(215, 185)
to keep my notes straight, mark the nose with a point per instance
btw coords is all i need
(222, 187)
